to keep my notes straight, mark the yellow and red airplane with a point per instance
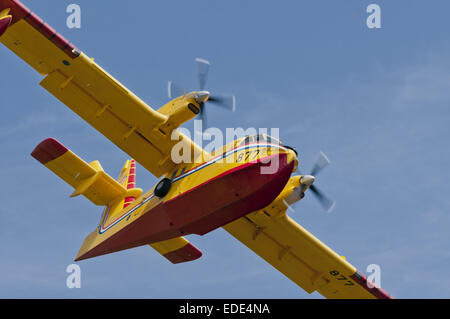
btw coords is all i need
(193, 197)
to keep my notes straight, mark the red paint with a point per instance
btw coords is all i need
(131, 183)
(221, 200)
(34, 20)
(19, 11)
(48, 150)
(255, 191)
(48, 32)
(361, 279)
(4, 24)
(184, 254)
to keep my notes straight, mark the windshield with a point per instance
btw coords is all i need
(260, 138)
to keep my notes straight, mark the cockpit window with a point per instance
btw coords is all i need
(260, 138)
(247, 140)
(273, 140)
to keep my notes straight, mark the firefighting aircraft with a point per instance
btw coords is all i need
(191, 198)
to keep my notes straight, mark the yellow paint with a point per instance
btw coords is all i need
(4, 13)
(145, 134)
(167, 246)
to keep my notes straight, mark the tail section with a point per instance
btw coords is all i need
(127, 179)
(176, 250)
(90, 180)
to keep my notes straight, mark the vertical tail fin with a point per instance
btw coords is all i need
(127, 178)
(176, 250)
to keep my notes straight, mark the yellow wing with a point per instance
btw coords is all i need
(301, 257)
(296, 253)
(92, 93)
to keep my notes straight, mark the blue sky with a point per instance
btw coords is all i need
(375, 101)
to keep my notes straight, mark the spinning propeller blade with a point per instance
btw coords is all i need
(228, 102)
(321, 162)
(225, 101)
(202, 72)
(174, 90)
(326, 203)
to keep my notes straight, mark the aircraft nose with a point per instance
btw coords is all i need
(292, 149)
(292, 157)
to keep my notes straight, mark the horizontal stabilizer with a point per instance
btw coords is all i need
(88, 180)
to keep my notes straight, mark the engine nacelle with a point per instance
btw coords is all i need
(182, 109)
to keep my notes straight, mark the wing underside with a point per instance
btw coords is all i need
(301, 257)
(92, 93)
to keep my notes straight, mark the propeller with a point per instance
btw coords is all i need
(321, 162)
(224, 101)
